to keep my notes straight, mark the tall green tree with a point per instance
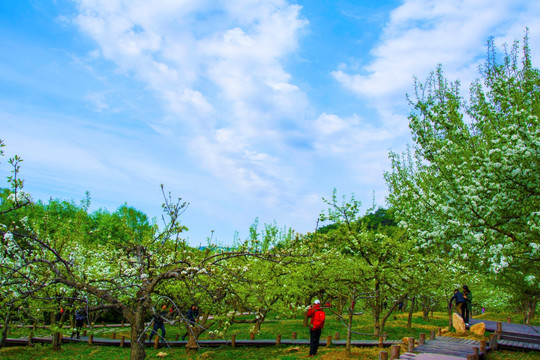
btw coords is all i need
(369, 259)
(470, 184)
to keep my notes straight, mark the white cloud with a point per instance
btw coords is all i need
(424, 33)
(218, 68)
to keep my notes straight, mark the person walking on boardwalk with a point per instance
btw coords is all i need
(317, 316)
(192, 316)
(159, 322)
(468, 296)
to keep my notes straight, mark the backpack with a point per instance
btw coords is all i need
(318, 319)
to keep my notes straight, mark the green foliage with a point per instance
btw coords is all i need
(470, 184)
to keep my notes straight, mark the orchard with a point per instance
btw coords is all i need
(463, 208)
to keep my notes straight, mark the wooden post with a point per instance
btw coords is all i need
(122, 323)
(329, 340)
(439, 332)
(177, 337)
(90, 339)
(394, 355)
(483, 347)
(114, 335)
(383, 355)
(34, 327)
(233, 340)
(122, 341)
(103, 323)
(493, 341)
(156, 342)
(509, 319)
(410, 347)
(294, 335)
(84, 333)
(381, 342)
(278, 339)
(251, 336)
(476, 353)
(432, 335)
(499, 327)
(60, 337)
(336, 336)
(422, 340)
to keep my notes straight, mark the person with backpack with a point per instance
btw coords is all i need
(317, 316)
(80, 315)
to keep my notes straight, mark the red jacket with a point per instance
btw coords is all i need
(317, 316)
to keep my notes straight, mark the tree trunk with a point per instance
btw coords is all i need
(377, 310)
(389, 312)
(349, 332)
(195, 331)
(137, 334)
(258, 323)
(6, 329)
(56, 341)
(529, 311)
(411, 310)
(425, 312)
(306, 320)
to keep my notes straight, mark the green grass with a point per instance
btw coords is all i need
(275, 324)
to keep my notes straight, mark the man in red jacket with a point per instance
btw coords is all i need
(317, 316)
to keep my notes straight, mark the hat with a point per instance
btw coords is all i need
(316, 302)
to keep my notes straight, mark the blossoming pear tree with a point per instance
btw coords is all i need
(470, 183)
(123, 271)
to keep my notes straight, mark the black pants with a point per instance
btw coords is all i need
(314, 337)
(465, 313)
(78, 326)
(156, 328)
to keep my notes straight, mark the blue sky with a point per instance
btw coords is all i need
(245, 108)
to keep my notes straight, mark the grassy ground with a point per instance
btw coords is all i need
(396, 329)
(85, 352)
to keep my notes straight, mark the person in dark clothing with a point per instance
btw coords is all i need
(191, 316)
(460, 303)
(467, 307)
(317, 316)
(401, 305)
(80, 315)
(159, 322)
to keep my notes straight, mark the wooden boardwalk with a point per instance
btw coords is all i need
(205, 343)
(514, 336)
(445, 348)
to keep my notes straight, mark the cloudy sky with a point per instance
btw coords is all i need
(244, 108)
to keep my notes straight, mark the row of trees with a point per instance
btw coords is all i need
(59, 254)
(464, 206)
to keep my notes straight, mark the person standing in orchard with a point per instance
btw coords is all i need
(159, 322)
(192, 317)
(467, 307)
(80, 315)
(317, 316)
